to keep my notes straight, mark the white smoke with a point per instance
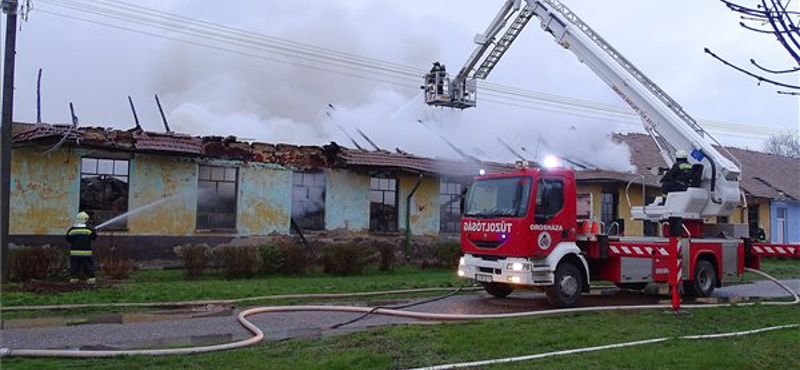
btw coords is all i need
(214, 92)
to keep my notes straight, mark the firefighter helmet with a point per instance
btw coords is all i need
(681, 154)
(82, 217)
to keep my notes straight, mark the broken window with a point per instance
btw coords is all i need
(383, 204)
(216, 197)
(308, 200)
(450, 207)
(104, 190)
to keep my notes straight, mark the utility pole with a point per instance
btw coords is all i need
(10, 7)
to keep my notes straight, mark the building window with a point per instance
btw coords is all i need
(104, 190)
(308, 200)
(450, 207)
(608, 208)
(754, 223)
(782, 225)
(383, 204)
(584, 206)
(216, 197)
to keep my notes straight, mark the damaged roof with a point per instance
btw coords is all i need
(135, 139)
(371, 160)
(170, 143)
(229, 148)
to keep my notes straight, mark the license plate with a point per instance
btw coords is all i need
(483, 278)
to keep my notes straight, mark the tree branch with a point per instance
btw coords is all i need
(757, 77)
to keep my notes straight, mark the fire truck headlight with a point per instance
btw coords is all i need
(482, 172)
(514, 279)
(518, 266)
(461, 272)
(461, 261)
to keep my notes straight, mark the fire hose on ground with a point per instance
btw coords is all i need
(258, 335)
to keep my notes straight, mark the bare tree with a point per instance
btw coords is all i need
(770, 17)
(786, 144)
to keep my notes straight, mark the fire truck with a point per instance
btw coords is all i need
(520, 229)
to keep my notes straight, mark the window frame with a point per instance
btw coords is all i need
(605, 206)
(225, 179)
(579, 199)
(385, 222)
(303, 223)
(452, 205)
(94, 212)
(544, 211)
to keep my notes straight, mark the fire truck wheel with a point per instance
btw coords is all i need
(705, 279)
(498, 290)
(567, 288)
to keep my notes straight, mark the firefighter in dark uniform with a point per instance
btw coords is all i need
(438, 74)
(80, 237)
(678, 176)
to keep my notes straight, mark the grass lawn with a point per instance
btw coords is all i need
(169, 286)
(781, 269)
(428, 345)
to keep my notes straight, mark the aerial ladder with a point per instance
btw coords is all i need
(715, 192)
(521, 230)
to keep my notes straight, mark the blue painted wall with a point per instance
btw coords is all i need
(792, 220)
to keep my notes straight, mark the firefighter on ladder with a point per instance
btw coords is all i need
(677, 177)
(438, 74)
(80, 237)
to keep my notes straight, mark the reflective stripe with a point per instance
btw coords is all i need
(685, 166)
(80, 253)
(80, 232)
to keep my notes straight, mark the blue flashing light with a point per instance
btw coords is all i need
(698, 155)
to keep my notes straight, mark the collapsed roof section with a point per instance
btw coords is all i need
(229, 148)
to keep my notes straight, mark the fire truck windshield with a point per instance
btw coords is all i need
(498, 197)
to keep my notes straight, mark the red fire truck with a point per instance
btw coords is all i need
(520, 230)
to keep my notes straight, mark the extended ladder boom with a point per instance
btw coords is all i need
(663, 118)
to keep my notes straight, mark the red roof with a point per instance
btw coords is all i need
(409, 162)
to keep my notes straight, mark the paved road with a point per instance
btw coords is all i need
(224, 328)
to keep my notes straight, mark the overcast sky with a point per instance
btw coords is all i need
(235, 87)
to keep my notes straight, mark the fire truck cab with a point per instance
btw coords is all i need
(520, 229)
